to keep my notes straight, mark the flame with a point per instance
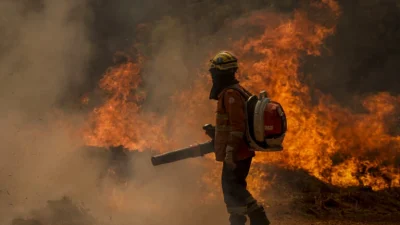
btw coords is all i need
(319, 132)
(332, 143)
(121, 120)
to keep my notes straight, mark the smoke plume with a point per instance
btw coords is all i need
(53, 52)
(44, 53)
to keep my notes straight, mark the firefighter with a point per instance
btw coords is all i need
(230, 145)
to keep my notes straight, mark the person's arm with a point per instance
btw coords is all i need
(234, 106)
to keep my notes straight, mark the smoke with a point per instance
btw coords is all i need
(44, 51)
(167, 71)
(46, 61)
(360, 58)
(362, 51)
(56, 50)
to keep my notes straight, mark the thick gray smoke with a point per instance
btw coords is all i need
(53, 51)
(44, 51)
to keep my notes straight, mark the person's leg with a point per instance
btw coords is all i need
(255, 211)
(236, 209)
(236, 196)
(257, 215)
(243, 197)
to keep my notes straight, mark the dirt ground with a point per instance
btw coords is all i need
(294, 198)
(302, 199)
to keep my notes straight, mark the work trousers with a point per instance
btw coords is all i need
(234, 187)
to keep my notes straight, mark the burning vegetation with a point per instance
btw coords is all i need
(335, 144)
(337, 160)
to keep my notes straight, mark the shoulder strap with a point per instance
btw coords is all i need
(245, 94)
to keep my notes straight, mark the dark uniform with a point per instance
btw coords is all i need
(230, 145)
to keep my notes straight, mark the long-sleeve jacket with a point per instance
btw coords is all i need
(231, 126)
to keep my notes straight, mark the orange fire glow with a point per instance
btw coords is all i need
(332, 143)
(120, 121)
(320, 131)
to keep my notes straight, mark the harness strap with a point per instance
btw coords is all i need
(245, 94)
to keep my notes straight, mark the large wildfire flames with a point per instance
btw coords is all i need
(119, 121)
(320, 132)
(332, 143)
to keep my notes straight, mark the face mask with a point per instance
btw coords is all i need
(221, 80)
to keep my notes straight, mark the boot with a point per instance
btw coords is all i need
(236, 219)
(258, 216)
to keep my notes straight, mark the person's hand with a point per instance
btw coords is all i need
(229, 158)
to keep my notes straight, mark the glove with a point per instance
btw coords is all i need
(229, 158)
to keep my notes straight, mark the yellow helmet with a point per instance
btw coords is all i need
(224, 60)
